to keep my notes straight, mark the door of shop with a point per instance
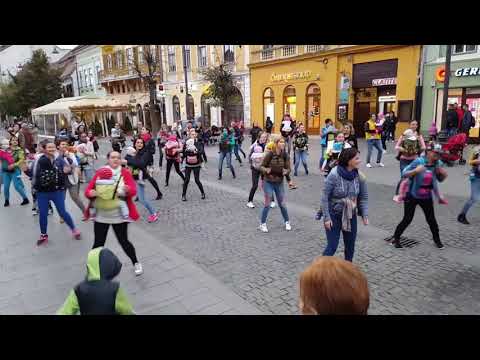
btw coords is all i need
(360, 116)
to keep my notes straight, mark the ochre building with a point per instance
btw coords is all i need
(341, 82)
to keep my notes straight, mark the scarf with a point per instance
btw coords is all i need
(347, 175)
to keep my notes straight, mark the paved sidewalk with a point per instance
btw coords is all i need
(37, 280)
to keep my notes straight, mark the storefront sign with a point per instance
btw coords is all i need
(467, 72)
(387, 98)
(382, 82)
(291, 76)
(343, 97)
(344, 83)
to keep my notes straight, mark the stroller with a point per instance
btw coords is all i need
(453, 149)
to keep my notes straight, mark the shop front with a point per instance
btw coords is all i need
(346, 85)
(464, 89)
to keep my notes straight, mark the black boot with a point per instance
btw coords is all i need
(396, 243)
(7, 203)
(438, 243)
(463, 219)
(233, 172)
(25, 202)
(159, 196)
(203, 196)
(220, 176)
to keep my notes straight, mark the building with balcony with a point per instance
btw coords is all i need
(195, 105)
(121, 80)
(464, 84)
(88, 68)
(342, 82)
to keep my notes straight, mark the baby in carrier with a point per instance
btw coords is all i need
(171, 147)
(5, 155)
(110, 194)
(130, 151)
(332, 154)
(257, 157)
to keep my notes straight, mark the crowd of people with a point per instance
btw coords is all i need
(112, 188)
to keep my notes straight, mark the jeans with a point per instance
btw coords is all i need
(324, 147)
(236, 149)
(141, 198)
(58, 198)
(196, 174)
(301, 155)
(176, 164)
(74, 191)
(403, 165)
(228, 156)
(269, 188)
(377, 144)
(333, 237)
(89, 172)
(100, 231)
(15, 177)
(409, 211)
(475, 194)
(384, 140)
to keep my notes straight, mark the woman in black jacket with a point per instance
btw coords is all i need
(138, 164)
(193, 154)
(149, 146)
(350, 135)
(48, 180)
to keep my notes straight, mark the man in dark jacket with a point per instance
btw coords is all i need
(254, 132)
(98, 294)
(268, 125)
(452, 120)
(468, 120)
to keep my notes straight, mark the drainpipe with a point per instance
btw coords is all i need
(76, 72)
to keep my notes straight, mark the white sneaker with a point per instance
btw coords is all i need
(384, 151)
(250, 205)
(263, 228)
(369, 165)
(381, 165)
(272, 204)
(138, 269)
(288, 227)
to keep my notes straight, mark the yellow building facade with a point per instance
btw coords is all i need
(199, 57)
(344, 83)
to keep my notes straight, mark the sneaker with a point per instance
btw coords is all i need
(381, 164)
(439, 245)
(43, 240)
(369, 165)
(34, 212)
(138, 269)
(295, 174)
(159, 197)
(306, 172)
(272, 205)
(288, 227)
(250, 205)
(62, 221)
(25, 202)
(152, 218)
(384, 152)
(263, 228)
(7, 203)
(397, 244)
(397, 199)
(184, 198)
(203, 196)
(50, 211)
(76, 234)
(462, 219)
(166, 184)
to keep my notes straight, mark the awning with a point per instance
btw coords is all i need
(68, 105)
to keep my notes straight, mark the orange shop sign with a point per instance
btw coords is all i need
(440, 74)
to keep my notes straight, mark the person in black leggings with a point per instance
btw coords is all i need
(262, 141)
(193, 162)
(150, 146)
(173, 150)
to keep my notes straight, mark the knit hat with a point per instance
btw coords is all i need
(130, 151)
(104, 173)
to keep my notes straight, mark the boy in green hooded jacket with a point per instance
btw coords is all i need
(98, 294)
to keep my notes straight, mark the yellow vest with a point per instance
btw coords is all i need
(372, 126)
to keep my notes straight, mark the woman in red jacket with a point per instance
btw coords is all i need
(111, 215)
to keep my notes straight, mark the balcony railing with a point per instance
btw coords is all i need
(315, 48)
(267, 54)
(289, 50)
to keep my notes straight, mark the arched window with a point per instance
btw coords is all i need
(290, 102)
(268, 105)
(313, 109)
(140, 115)
(176, 108)
(205, 108)
(190, 108)
(234, 112)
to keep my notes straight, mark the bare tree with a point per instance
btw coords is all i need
(147, 63)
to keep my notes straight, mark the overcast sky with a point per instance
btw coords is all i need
(66, 46)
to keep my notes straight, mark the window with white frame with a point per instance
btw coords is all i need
(109, 62)
(464, 49)
(153, 51)
(90, 73)
(229, 53)
(188, 63)
(202, 56)
(80, 77)
(141, 60)
(314, 48)
(289, 50)
(267, 52)
(119, 59)
(85, 74)
(130, 57)
(172, 67)
(97, 71)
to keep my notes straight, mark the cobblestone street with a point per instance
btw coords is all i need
(218, 237)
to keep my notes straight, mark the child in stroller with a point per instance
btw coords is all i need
(453, 149)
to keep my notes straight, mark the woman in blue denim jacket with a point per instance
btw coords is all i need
(425, 173)
(345, 195)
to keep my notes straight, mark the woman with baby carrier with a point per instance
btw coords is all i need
(409, 146)
(256, 155)
(423, 174)
(173, 151)
(108, 208)
(193, 154)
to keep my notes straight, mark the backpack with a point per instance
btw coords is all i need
(106, 196)
(225, 144)
(257, 160)
(171, 149)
